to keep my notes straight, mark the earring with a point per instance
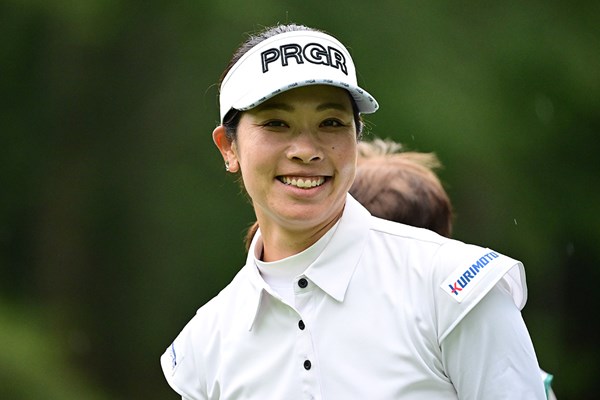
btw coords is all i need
(227, 166)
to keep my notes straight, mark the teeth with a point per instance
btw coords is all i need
(304, 183)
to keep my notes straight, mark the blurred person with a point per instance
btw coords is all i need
(332, 302)
(402, 186)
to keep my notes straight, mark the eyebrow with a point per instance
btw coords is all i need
(275, 106)
(335, 106)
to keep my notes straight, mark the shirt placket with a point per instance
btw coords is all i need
(306, 356)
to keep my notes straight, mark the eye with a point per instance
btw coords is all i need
(332, 122)
(275, 123)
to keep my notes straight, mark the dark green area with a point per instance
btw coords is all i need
(117, 219)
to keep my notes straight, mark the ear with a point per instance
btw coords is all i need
(226, 147)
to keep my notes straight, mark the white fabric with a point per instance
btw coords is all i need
(378, 325)
(287, 61)
(280, 275)
(490, 347)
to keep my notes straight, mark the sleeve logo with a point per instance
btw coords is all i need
(461, 281)
(173, 356)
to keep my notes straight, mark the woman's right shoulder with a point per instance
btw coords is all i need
(185, 359)
(224, 306)
(199, 346)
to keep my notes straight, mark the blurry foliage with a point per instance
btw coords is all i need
(31, 364)
(118, 220)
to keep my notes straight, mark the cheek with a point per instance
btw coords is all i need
(346, 152)
(350, 172)
(244, 151)
(252, 157)
(254, 165)
(346, 159)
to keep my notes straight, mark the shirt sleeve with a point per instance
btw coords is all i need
(180, 369)
(464, 274)
(490, 356)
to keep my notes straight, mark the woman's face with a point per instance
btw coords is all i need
(297, 156)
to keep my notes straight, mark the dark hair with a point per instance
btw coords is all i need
(232, 118)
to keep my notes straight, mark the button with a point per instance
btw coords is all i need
(307, 365)
(302, 283)
(301, 325)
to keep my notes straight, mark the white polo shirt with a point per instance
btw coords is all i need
(385, 311)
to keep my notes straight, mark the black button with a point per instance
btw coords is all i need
(307, 365)
(301, 325)
(302, 283)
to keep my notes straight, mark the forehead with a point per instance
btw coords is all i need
(321, 96)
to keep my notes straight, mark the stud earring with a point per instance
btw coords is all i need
(227, 166)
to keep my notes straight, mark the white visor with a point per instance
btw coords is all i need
(287, 61)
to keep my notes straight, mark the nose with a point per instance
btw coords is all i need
(305, 147)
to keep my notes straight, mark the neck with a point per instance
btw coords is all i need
(280, 242)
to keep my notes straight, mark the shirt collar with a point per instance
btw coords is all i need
(257, 283)
(331, 271)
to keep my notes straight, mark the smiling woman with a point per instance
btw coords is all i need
(332, 302)
(297, 156)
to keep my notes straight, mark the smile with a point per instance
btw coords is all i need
(304, 183)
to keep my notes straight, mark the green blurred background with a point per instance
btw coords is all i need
(117, 219)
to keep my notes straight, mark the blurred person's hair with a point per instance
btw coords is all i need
(402, 186)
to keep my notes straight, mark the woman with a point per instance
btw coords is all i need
(334, 303)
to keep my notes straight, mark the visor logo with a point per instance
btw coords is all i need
(313, 53)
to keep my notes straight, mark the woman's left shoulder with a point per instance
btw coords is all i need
(459, 267)
(463, 274)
